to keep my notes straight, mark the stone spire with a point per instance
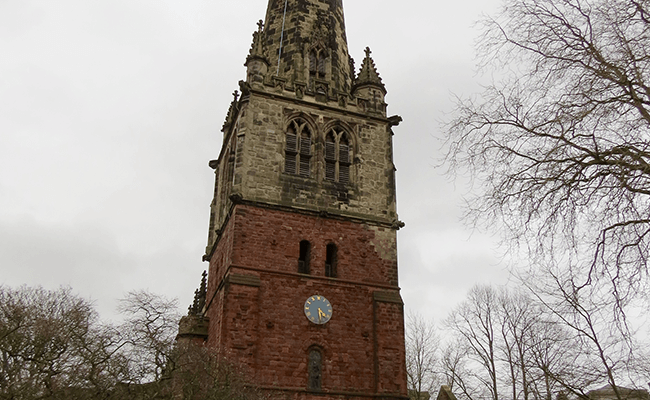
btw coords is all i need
(306, 44)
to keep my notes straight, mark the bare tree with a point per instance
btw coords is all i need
(422, 356)
(53, 346)
(476, 322)
(458, 376)
(201, 374)
(517, 322)
(149, 329)
(51, 343)
(599, 347)
(518, 345)
(561, 143)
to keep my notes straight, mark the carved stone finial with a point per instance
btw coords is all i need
(245, 88)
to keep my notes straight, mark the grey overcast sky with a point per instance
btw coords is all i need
(111, 109)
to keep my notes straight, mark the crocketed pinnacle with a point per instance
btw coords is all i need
(368, 74)
(258, 47)
(199, 297)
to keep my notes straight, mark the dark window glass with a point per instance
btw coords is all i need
(315, 369)
(303, 260)
(331, 261)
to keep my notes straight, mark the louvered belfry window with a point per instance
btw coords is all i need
(330, 157)
(344, 160)
(337, 156)
(317, 63)
(297, 159)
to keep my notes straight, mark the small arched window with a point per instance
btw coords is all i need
(317, 63)
(338, 156)
(331, 260)
(297, 159)
(305, 255)
(315, 365)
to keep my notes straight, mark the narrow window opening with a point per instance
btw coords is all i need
(344, 160)
(338, 156)
(321, 65)
(317, 67)
(330, 157)
(331, 261)
(315, 369)
(297, 160)
(303, 260)
(291, 150)
(305, 153)
(313, 61)
(317, 63)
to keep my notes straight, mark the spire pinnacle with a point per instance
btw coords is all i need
(258, 47)
(368, 74)
(199, 297)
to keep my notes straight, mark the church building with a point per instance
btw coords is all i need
(302, 287)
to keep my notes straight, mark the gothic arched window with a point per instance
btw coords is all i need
(315, 366)
(338, 156)
(317, 63)
(297, 159)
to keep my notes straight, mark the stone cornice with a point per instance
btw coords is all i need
(320, 106)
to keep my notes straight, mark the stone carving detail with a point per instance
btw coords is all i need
(196, 309)
(368, 74)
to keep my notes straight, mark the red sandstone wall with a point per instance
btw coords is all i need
(262, 325)
(269, 239)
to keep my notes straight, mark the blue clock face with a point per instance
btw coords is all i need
(318, 309)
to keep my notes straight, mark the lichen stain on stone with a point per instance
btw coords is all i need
(383, 243)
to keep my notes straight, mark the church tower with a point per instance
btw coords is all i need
(302, 287)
